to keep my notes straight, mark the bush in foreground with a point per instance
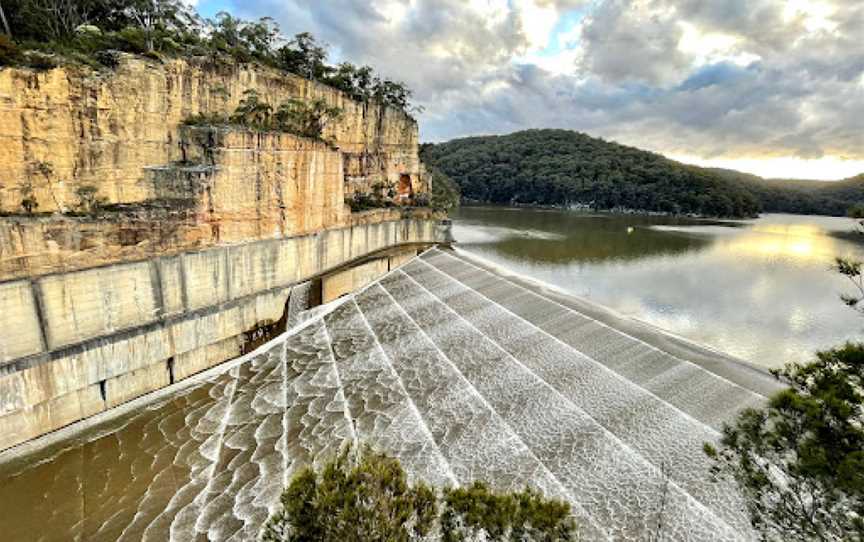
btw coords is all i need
(800, 460)
(366, 497)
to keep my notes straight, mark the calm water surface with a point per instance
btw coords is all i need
(761, 290)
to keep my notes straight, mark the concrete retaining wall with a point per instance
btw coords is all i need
(74, 344)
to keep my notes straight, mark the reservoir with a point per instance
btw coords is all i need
(762, 290)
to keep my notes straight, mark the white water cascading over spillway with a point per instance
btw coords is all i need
(460, 372)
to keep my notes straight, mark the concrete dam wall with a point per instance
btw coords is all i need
(77, 343)
(137, 248)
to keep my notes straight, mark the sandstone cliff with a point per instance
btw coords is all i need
(164, 187)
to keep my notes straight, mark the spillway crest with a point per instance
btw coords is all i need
(460, 372)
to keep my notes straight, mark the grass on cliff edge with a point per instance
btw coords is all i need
(365, 496)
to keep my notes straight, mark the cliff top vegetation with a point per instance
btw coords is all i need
(43, 34)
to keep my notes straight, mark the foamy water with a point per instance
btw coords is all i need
(458, 372)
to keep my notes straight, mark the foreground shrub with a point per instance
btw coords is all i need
(366, 497)
(354, 497)
(478, 513)
(800, 460)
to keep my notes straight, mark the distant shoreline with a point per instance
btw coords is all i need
(614, 210)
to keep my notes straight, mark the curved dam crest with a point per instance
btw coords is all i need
(460, 371)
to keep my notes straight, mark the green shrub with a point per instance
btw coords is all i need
(131, 40)
(526, 515)
(366, 497)
(28, 199)
(292, 116)
(445, 192)
(363, 201)
(305, 118)
(108, 58)
(807, 441)
(355, 497)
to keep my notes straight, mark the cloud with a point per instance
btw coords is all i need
(743, 79)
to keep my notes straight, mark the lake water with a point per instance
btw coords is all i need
(761, 290)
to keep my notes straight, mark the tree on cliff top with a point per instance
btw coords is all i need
(366, 496)
(87, 31)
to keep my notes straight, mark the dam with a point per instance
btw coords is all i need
(460, 370)
(191, 312)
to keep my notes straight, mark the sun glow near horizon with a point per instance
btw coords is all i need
(828, 168)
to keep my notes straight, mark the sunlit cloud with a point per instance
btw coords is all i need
(787, 167)
(772, 87)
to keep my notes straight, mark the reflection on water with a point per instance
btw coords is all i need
(759, 289)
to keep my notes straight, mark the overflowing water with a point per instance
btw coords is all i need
(459, 372)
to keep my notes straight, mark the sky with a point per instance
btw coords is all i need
(771, 87)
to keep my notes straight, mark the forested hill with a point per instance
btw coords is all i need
(801, 196)
(561, 167)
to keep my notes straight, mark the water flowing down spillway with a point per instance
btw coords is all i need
(458, 371)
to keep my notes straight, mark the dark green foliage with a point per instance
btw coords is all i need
(800, 460)
(504, 516)
(800, 196)
(559, 167)
(362, 201)
(307, 119)
(82, 31)
(253, 112)
(246, 41)
(851, 269)
(365, 497)
(207, 119)
(4, 23)
(361, 84)
(304, 56)
(445, 192)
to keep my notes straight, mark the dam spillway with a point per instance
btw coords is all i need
(461, 372)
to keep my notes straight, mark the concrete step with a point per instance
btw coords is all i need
(664, 435)
(608, 478)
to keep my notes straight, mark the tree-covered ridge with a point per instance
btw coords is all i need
(801, 196)
(561, 167)
(45, 33)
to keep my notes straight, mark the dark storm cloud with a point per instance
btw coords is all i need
(706, 78)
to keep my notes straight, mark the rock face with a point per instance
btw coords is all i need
(164, 187)
(136, 250)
